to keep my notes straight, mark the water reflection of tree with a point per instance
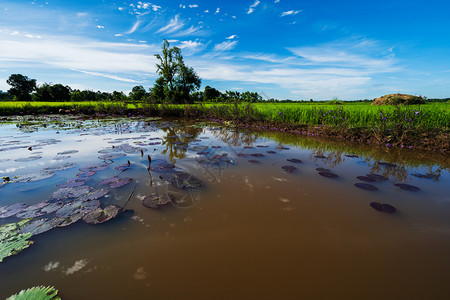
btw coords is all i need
(235, 138)
(177, 139)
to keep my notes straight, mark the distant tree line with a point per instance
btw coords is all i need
(177, 83)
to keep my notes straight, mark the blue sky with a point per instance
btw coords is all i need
(319, 49)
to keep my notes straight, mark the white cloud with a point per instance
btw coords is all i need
(118, 34)
(290, 13)
(83, 14)
(109, 76)
(174, 25)
(277, 1)
(231, 37)
(217, 10)
(182, 6)
(100, 26)
(121, 8)
(206, 11)
(253, 6)
(225, 46)
(193, 5)
(133, 29)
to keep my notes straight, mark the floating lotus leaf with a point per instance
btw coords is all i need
(31, 158)
(46, 142)
(95, 168)
(52, 207)
(66, 221)
(182, 180)
(37, 227)
(249, 147)
(407, 187)
(214, 160)
(386, 164)
(59, 167)
(289, 169)
(198, 148)
(351, 155)
(36, 293)
(156, 201)
(121, 182)
(241, 154)
(77, 207)
(92, 195)
(262, 146)
(203, 153)
(109, 180)
(253, 161)
(383, 207)
(426, 176)
(320, 156)
(62, 157)
(328, 175)
(32, 211)
(322, 170)
(366, 186)
(73, 183)
(9, 211)
(376, 177)
(67, 152)
(70, 192)
(162, 167)
(86, 174)
(183, 147)
(11, 241)
(111, 156)
(271, 152)
(154, 138)
(366, 178)
(33, 177)
(294, 160)
(154, 143)
(123, 167)
(216, 147)
(108, 150)
(257, 155)
(99, 215)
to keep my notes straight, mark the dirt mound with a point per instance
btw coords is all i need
(398, 99)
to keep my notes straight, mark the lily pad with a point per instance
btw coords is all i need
(37, 227)
(62, 157)
(289, 169)
(156, 201)
(121, 182)
(387, 164)
(52, 207)
(351, 155)
(77, 207)
(66, 221)
(328, 175)
(59, 167)
(30, 158)
(93, 195)
(294, 160)
(198, 148)
(182, 180)
(11, 241)
(366, 186)
(37, 293)
(32, 211)
(67, 152)
(253, 161)
(377, 177)
(86, 174)
(100, 215)
(320, 156)
(73, 183)
(95, 168)
(9, 211)
(407, 187)
(70, 192)
(383, 207)
(376, 205)
(257, 155)
(366, 178)
(271, 152)
(33, 177)
(111, 156)
(322, 170)
(426, 176)
(162, 167)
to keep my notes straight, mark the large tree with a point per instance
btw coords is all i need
(176, 80)
(21, 87)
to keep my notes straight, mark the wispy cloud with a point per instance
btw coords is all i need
(253, 6)
(193, 5)
(225, 46)
(110, 76)
(174, 25)
(134, 28)
(231, 37)
(217, 10)
(290, 13)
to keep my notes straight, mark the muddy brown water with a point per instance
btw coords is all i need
(252, 231)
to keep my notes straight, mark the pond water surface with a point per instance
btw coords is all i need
(240, 214)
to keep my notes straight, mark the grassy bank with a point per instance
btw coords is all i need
(419, 126)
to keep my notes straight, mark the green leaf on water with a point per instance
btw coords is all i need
(37, 293)
(11, 240)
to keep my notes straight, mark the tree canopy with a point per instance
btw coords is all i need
(177, 81)
(21, 87)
